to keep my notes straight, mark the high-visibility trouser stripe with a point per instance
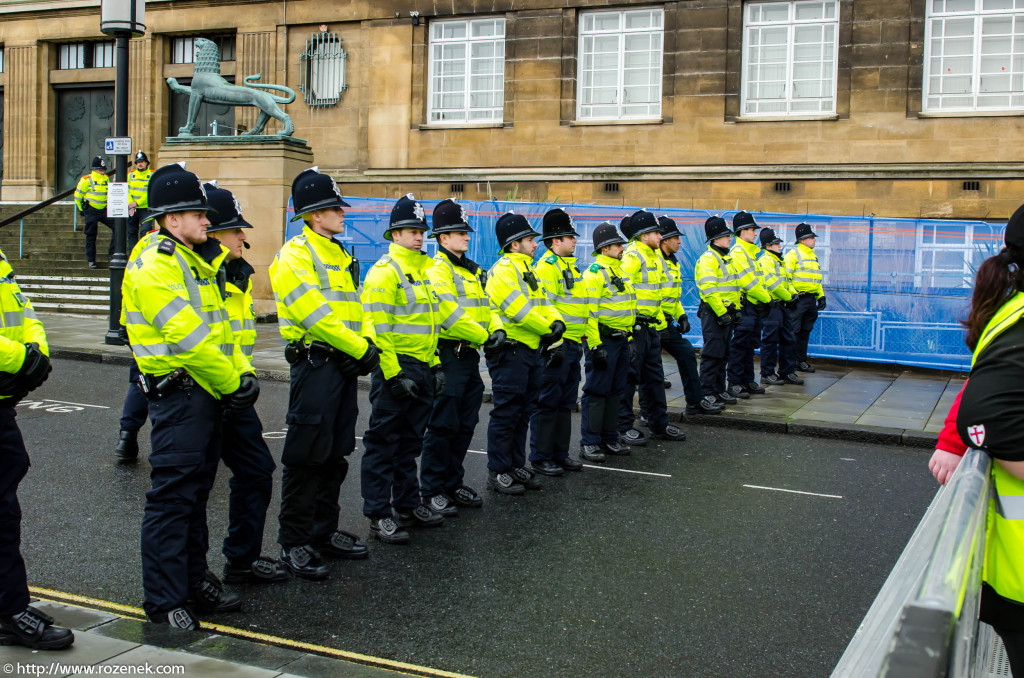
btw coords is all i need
(1010, 506)
(403, 328)
(400, 309)
(247, 349)
(13, 318)
(452, 318)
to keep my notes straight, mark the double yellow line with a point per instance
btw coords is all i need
(76, 600)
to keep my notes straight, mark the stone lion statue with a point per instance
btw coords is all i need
(208, 85)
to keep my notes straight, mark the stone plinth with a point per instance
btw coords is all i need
(259, 171)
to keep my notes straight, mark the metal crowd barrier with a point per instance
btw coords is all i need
(924, 621)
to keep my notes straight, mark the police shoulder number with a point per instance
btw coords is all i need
(594, 268)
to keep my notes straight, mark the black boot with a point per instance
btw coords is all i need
(34, 629)
(209, 595)
(127, 449)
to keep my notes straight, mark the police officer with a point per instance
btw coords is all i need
(138, 189)
(672, 339)
(24, 366)
(551, 419)
(642, 264)
(403, 315)
(315, 279)
(777, 342)
(534, 327)
(805, 277)
(243, 450)
(91, 201)
(755, 300)
(719, 308)
(611, 317)
(469, 322)
(182, 341)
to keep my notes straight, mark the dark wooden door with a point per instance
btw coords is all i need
(85, 118)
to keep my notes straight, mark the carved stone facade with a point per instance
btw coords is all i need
(878, 153)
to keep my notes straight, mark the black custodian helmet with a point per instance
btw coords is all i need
(512, 227)
(227, 212)
(450, 217)
(558, 224)
(141, 157)
(804, 231)
(668, 227)
(312, 191)
(606, 234)
(172, 188)
(715, 227)
(742, 221)
(769, 237)
(640, 222)
(407, 213)
(99, 163)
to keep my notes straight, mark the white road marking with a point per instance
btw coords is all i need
(599, 468)
(781, 489)
(57, 406)
(64, 402)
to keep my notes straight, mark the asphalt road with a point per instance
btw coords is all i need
(680, 571)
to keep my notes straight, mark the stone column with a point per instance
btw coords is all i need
(254, 53)
(21, 124)
(259, 171)
(141, 102)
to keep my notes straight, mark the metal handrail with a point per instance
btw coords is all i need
(40, 205)
(924, 619)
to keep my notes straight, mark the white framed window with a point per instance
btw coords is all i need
(974, 56)
(183, 48)
(620, 64)
(75, 55)
(945, 256)
(790, 58)
(1, 59)
(466, 71)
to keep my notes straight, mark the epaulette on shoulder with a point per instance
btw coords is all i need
(166, 246)
(595, 268)
(552, 259)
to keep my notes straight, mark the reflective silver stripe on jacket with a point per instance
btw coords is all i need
(1010, 506)
(247, 350)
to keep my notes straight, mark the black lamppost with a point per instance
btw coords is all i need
(124, 19)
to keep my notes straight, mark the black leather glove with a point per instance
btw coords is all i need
(684, 325)
(246, 394)
(555, 357)
(763, 309)
(439, 379)
(34, 370)
(122, 336)
(737, 316)
(725, 319)
(370, 359)
(495, 343)
(600, 357)
(822, 303)
(557, 330)
(403, 388)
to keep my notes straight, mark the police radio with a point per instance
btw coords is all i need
(568, 278)
(353, 268)
(530, 279)
(619, 284)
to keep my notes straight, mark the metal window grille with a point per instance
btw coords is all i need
(74, 55)
(322, 76)
(783, 187)
(972, 185)
(611, 188)
(458, 188)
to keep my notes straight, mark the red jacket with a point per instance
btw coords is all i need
(949, 439)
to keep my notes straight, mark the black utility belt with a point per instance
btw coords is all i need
(457, 347)
(156, 386)
(317, 352)
(801, 295)
(606, 332)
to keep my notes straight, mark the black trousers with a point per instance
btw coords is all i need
(680, 348)
(136, 406)
(394, 440)
(14, 465)
(746, 338)
(322, 412)
(648, 374)
(551, 415)
(93, 217)
(599, 408)
(133, 225)
(186, 441)
(252, 481)
(1007, 619)
(452, 422)
(777, 344)
(715, 352)
(515, 383)
(800, 321)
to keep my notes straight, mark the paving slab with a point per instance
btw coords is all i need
(74, 617)
(145, 633)
(244, 652)
(313, 666)
(196, 666)
(938, 417)
(89, 649)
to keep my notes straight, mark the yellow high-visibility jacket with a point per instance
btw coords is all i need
(742, 259)
(18, 322)
(526, 312)
(672, 300)
(554, 272)
(92, 189)
(609, 305)
(803, 271)
(138, 187)
(643, 266)
(716, 281)
(175, 314)
(773, 272)
(243, 318)
(403, 314)
(466, 311)
(316, 295)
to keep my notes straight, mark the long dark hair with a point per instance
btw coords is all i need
(999, 279)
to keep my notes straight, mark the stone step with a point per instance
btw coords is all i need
(78, 294)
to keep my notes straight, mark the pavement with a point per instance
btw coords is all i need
(633, 543)
(882, 403)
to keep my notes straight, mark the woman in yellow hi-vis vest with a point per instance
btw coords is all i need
(991, 417)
